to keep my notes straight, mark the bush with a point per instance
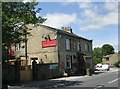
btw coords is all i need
(117, 64)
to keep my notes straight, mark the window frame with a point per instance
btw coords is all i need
(68, 62)
(68, 44)
(87, 47)
(78, 46)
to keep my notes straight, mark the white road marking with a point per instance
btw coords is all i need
(98, 87)
(113, 80)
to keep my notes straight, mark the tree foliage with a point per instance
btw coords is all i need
(99, 52)
(97, 55)
(117, 64)
(107, 49)
(15, 15)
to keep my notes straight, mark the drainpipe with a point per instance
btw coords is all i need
(26, 47)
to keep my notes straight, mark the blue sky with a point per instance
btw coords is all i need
(93, 20)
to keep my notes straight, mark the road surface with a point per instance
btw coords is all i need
(99, 80)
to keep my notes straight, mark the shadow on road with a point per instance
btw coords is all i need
(48, 83)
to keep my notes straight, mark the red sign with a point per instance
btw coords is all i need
(11, 49)
(48, 43)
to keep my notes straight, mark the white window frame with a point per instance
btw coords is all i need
(68, 44)
(79, 46)
(69, 61)
(17, 46)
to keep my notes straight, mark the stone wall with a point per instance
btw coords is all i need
(26, 75)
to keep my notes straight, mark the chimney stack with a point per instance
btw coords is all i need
(67, 29)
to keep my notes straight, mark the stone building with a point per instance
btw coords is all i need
(110, 59)
(45, 44)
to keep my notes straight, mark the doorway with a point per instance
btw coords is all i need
(81, 64)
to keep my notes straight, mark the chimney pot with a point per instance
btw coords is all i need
(67, 29)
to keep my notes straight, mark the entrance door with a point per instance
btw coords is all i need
(81, 64)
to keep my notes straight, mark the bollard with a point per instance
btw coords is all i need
(88, 72)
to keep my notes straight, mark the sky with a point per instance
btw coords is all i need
(97, 21)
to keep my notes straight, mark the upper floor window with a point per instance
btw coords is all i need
(17, 46)
(87, 47)
(68, 44)
(78, 47)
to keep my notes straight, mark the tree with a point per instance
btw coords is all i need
(15, 16)
(117, 64)
(97, 55)
(107, 49)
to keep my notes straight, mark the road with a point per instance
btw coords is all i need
(99, 80)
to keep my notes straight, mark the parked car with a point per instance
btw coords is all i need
(99, 67)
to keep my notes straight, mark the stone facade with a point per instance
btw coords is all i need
(110, 59)
(70, 51)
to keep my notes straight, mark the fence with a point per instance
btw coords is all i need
(17, 73)
(45, 71)
(11, 73)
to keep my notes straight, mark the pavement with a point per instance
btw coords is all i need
(52, 83)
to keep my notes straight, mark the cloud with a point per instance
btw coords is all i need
(111, 6)
(85, 5)
(95, 21)
(60, 19)
(24, 1)
(94, 18)
(89, 0)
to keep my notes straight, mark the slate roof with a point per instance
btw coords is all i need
(64, 32)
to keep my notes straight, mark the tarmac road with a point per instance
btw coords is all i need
(99, 80)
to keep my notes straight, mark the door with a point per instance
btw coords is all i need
(81, 63)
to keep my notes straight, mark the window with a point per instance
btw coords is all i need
(68, 62)
(107, 59)
(68, 44)
(87, 47)
(17, 46)
(78, 47)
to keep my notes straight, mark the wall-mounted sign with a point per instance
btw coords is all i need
(53, 66)
(49, 43)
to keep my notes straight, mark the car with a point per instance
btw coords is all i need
(99, 67)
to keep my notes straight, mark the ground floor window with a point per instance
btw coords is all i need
(69, 62)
